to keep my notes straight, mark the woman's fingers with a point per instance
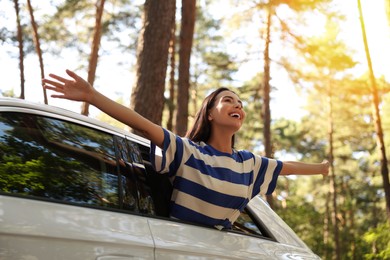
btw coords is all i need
(72, 74)
(54, 84)
(74, 88)
(61, 79)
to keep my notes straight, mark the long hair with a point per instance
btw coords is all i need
(201, 129)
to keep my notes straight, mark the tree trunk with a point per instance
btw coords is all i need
(332, 179)
(266, 111)
(172, 53)
(188, 13)
(351, 212)
(326, 228)
(93, 58)
(377, 118)
(37, 46)
(21, 51)
(152, 59)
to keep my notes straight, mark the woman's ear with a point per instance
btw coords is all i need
(210, 118)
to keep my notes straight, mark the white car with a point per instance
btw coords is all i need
(72, 187)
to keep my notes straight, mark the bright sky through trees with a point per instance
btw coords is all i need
(116, 80)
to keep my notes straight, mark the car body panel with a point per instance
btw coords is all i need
(174, 240)
(33, 229)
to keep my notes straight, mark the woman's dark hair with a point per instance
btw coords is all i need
(201, 129)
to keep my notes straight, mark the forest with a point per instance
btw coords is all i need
(172, 53)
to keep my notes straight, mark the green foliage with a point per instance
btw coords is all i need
(379, 239)
(304, 218)
(5, 34)
(250, 135)
(209, 53)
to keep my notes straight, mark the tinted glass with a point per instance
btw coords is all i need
(245, 224)
(127, 184)
(145, 194)
(160, 187)
(57, 160)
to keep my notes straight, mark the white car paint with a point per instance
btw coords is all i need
(33, 229)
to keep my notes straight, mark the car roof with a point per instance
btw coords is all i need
(21, 105)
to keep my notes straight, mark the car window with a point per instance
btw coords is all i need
(134, 186)
(245, 224)
(57, 160)
(146, 203)
(160, 185)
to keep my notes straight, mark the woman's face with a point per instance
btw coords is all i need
(227, 112)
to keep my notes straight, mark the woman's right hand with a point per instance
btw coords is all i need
(73, 89)
(80, 90)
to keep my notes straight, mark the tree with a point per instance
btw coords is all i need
(324, 59)
(152, 57)
(93, 58)
(376, 117)
(270, 8)
(21, 51)
(209, 54)
(172, 68)
(188, 12)
(37, 45)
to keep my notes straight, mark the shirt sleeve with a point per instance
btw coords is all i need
(167, 159)
(267, 174)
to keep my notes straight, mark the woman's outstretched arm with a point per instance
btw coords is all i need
(301, 168)
(78, 89)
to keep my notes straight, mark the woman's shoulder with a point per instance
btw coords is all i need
(246, 154)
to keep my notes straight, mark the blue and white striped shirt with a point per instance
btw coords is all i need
(211, 187)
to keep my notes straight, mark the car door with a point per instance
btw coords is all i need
(176, 240)
(63, 194)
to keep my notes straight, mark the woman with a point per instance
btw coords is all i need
(212, 182)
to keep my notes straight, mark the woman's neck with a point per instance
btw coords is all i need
(221, 142)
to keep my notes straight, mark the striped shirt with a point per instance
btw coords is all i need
(212, 187)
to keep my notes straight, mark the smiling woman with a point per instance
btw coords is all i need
(87, 186)
(212, 182)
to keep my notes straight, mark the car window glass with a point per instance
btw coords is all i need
(58, 160)
(160, 185)
(245, 224)
(143, 184)
(281, 232)
(127, 184)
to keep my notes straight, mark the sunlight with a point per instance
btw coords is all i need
(378, 34)
(377, 27)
